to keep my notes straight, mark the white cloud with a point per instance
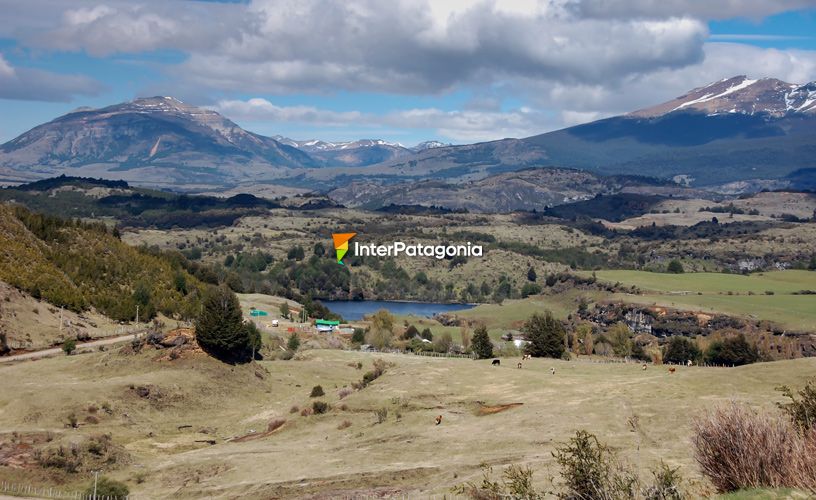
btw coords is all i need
(701, 9)
(463, 126)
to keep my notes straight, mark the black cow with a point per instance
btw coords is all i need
(496, 362)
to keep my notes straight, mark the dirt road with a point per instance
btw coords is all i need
(80, 347)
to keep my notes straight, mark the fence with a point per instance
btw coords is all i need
(27, 490)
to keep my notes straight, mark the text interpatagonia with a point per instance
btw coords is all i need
(417, 250)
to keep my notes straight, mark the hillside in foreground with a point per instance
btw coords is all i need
(194, 427)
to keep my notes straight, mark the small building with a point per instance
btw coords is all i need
(326, 326)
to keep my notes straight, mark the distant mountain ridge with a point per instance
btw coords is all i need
(736, 130)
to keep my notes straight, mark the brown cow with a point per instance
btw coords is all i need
(672, 369)
(644, 366)
(438, 419)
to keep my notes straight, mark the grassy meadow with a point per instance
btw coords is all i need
(346, 451)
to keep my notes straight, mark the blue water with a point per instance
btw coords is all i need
(355, 310)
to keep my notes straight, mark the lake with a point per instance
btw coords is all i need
(353, 310)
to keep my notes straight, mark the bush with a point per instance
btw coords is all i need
(738, 448)
(801, 411)
(317, 391)
(107, 488)
(345, 424)
(680, 349)
(294, 342)
(342, 393)
(666, 484)
(320, 407)
(675, 267)
(590, 470)
(734, 351)
(69, 346)
(358, 337)
(381, 414)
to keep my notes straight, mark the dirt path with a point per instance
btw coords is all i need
(80, 346)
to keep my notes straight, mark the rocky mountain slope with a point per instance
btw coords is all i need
(528, 189)
(157, 138)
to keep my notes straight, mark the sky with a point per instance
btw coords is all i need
(405, 71)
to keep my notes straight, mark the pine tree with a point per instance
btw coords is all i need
(531, 274)
(481, 343)
(220, 329)
(546, 336)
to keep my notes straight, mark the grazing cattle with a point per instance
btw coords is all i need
(526, 357)
(644, 366)
(552, 371)
(496, 362)
(519, 365)
(672, 369)
(689, 363)
(438, 419)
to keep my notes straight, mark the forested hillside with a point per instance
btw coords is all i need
(80, 265)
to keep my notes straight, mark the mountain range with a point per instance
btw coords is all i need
(736, 130)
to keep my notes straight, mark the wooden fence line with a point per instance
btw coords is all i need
(28, 490)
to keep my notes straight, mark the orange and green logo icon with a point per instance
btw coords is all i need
(341, 245)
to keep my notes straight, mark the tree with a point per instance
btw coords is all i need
(410, 332)
(220, 329)
(284, 310)
(680, 349)
(107, 488)
(812, 264)
(732, 351)
(426, 334)
(465, 335)
(545, 335)
(294, 342)
(358, 337)
(482, 345)
(619, 337)
(675, 267)
(531, 274)
(69, 346)
(381, 330)
(443, 343)
(296, 253)
(319, 249)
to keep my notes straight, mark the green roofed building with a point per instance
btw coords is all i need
(324, 325)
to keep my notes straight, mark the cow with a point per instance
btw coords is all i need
(438, 419)
(519, 365)
(672, 369)
(552, 371)
(526, 357)
(689, 363)
(496, 362)
(644, 366)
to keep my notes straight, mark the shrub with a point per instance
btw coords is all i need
(345, 424)
(738, 448)
(306, 412)
(317, 391)
(381, 414)
(590, 470)
(106, 487)
(294, 409)
(358, 337)
(802, 411)
(69, 346)
(734, 351)
(320, 407)
(680, 350)
(675, 267)
(342, 393)
(517, 482)
(294, 342)
(666, 484)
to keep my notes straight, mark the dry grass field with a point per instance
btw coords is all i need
(194, 399)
